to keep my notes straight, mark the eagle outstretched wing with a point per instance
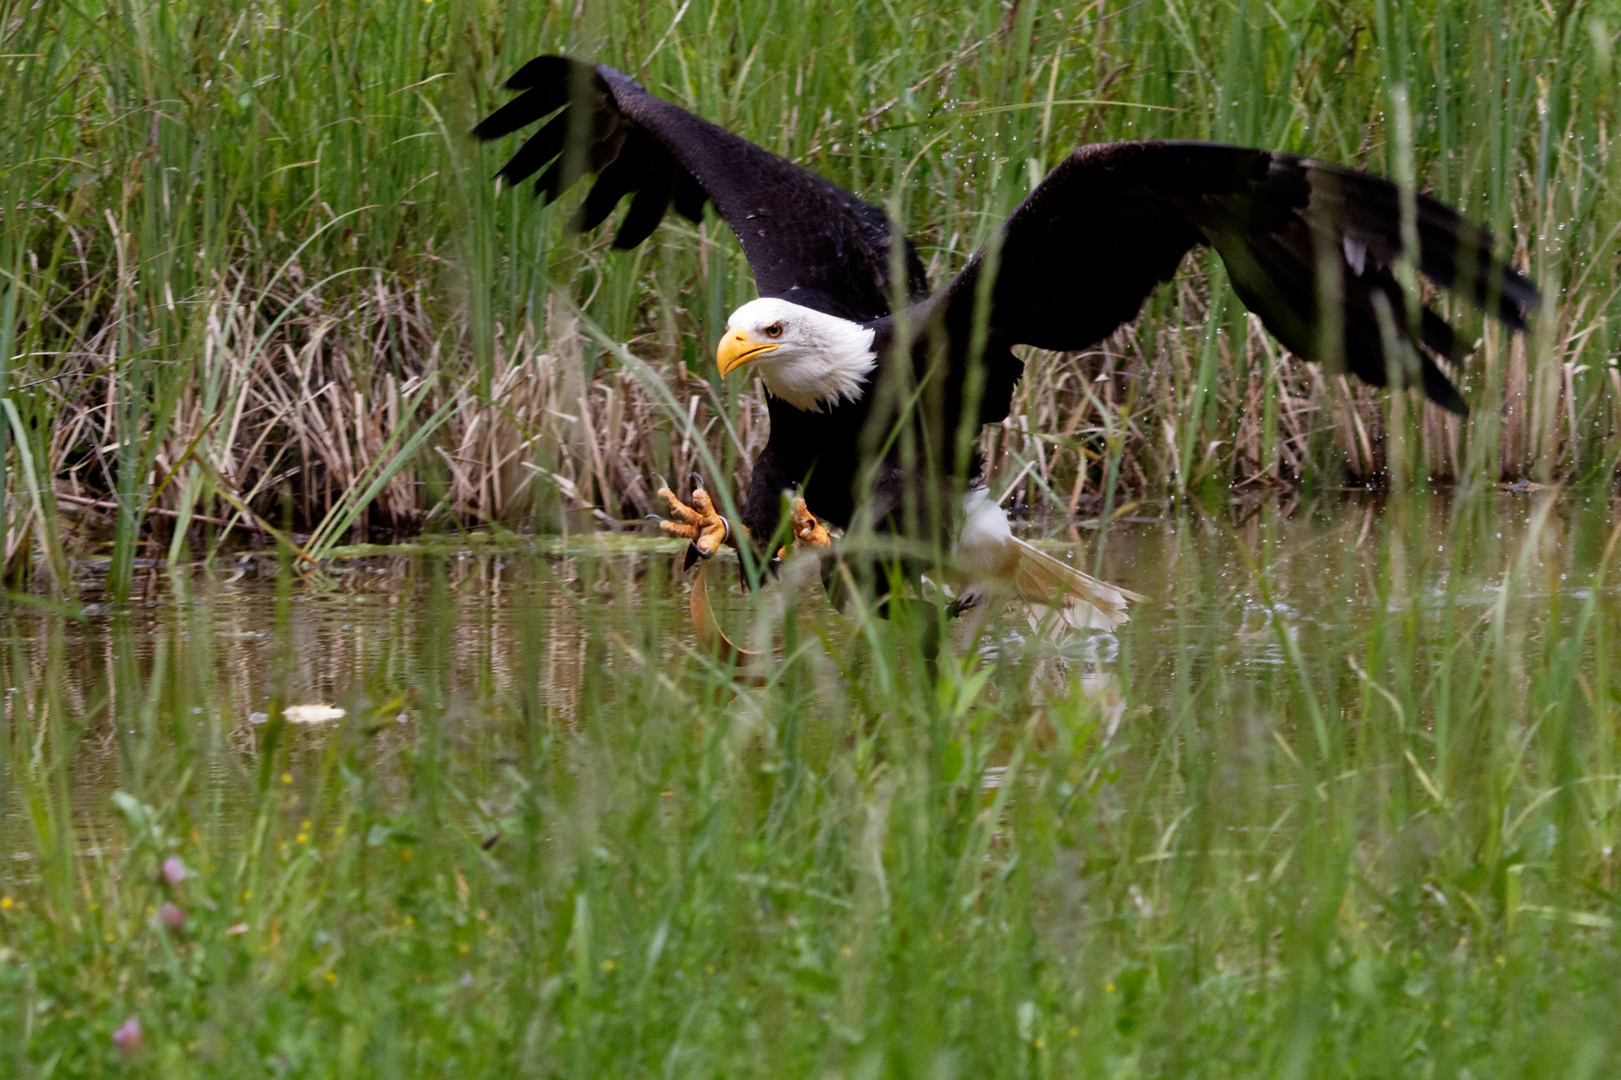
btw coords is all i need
(806, 239)
(1079, 256)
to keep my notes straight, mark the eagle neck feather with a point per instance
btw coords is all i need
(835, 371)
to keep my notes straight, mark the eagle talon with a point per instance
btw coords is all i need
(698, 523)
(807, 530)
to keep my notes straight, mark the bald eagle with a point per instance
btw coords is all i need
(877, 386)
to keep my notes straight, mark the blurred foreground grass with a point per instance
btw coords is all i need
(1347, 806)
(249, 258)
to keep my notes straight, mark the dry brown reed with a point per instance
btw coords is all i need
(293, 411)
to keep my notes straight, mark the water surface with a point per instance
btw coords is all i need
(191, 670)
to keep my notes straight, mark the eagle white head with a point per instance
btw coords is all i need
(810, 359)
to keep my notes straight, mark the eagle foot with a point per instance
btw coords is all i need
(699, 523)
(807, 530)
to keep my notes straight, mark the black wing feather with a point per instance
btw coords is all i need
(689, 197)
(543, 72)
(1367, 206)
(546, 144)
(806, 239)
(616, 181)
(647, 208)
(547, 80)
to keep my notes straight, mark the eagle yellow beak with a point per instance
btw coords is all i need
(738, 348)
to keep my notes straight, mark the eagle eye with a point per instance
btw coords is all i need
(774, 330)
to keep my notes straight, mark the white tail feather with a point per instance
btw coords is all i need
(990, 556)
(1081, 600)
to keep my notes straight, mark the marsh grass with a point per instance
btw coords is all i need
(253, 270)
(1348, 809)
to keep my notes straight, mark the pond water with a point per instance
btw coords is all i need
(194, 668)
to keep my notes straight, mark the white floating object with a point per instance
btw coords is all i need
(311, 714)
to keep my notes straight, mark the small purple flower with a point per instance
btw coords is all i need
(171, 916)
(127, 1038)
(174, 870)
